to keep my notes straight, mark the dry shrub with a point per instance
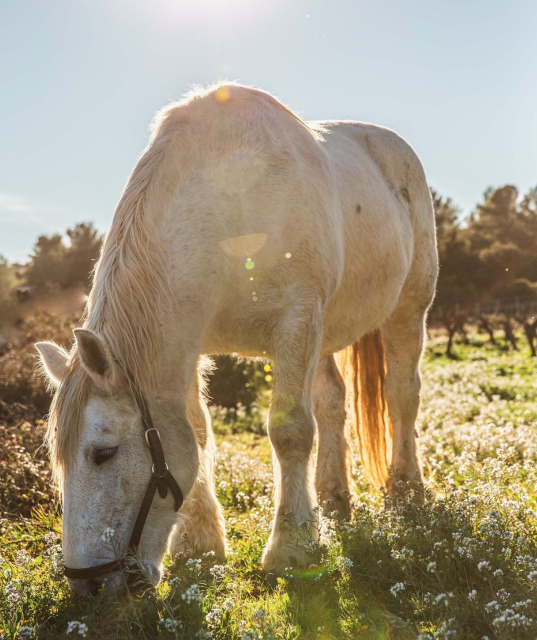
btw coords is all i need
(236, 381)
(19, 378)
(24, 473)
(25, 480)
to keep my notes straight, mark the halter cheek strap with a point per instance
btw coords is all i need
(160, 479)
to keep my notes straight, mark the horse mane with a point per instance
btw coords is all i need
(131, 294)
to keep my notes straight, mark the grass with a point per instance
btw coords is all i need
(463, 564)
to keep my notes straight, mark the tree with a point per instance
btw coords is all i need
(8, 279)
(455, 290)
(47, 262)
(446, 219)
(81, 255)
(503, 233)
(55, 262)
(528, 239)
(495, 218)
(522, 296)
(490, 258)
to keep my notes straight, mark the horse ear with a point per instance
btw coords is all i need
(53, 361)
(95, 358)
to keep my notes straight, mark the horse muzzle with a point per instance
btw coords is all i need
(114, 577)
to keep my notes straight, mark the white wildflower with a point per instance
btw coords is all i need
(260, 615)
(50, 538)
(241, 497)
(77, 627)
(214, 617)
(108, 535)
(218, 572)
(170, 624)
(493, 605)
(192, 595)
(22, 558)
(345, 564)
(13, 595)
(397, 588)
(193, 564)
(443, 598)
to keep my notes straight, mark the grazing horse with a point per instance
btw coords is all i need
(244, 229)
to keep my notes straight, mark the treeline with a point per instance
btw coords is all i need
(488, 266)
(59, 269)
(64, 261)
(56, 261)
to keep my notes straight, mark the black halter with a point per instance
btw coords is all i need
(161, 479)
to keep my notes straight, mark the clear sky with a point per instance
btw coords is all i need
(81, 79)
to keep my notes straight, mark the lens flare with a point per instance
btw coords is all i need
(222, 94)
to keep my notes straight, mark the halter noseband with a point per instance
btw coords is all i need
(161, 479)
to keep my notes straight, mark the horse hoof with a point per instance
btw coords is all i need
(338, 504)
(271, 580)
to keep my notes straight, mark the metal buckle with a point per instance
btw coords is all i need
(147, 431)
(165, 464)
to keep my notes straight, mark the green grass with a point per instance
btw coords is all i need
(461, 565)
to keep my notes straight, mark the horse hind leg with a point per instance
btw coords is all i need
(403, 338)
(332, 472)
(201, 526)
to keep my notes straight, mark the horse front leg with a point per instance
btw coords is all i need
(201, 527)
(296, 346)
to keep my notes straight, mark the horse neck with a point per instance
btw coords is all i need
(176, 367)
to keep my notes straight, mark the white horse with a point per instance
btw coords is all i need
(243, 229)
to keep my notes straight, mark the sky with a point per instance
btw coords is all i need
(81, 80)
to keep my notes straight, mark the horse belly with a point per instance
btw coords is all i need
(260, 292)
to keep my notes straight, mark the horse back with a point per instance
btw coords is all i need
(269, 213)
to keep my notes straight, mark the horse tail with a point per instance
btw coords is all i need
(363, 368)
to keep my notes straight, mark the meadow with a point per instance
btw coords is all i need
(458, 561)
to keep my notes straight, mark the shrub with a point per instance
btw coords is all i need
(236, 381)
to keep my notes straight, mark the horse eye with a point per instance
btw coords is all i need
(102, 455)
